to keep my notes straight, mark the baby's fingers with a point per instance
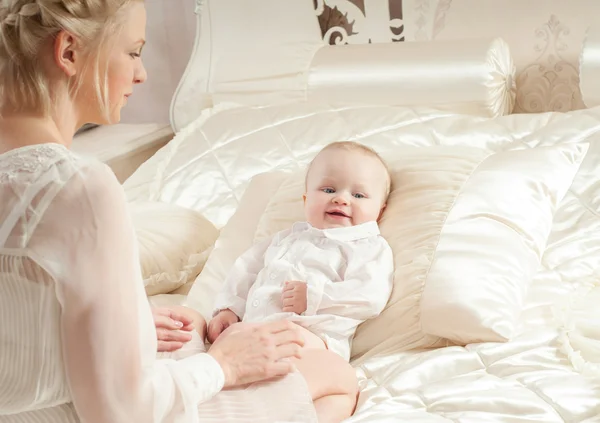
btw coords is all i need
(214, 330)
(288, 303)
(287, 294)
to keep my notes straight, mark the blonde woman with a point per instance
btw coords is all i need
(78, 340)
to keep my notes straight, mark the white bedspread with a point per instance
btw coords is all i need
(549, 373)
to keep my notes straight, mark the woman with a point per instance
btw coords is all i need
(77, 336)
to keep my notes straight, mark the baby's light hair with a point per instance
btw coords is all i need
(354, 146)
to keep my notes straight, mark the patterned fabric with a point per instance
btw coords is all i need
(545, 37)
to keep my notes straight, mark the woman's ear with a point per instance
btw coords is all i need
(66, 53)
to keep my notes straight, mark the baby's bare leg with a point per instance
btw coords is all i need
(332, 384)
(331, 380)
(312, 341)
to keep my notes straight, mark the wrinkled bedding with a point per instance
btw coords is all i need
(549, 372)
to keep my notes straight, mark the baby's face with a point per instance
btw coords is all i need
(344, 188)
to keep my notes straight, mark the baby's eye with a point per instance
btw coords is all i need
(359, 195)
(328, 190)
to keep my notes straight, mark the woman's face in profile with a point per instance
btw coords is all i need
(124, 65)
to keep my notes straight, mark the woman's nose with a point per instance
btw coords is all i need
(141, 75)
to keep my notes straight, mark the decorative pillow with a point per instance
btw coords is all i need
(173, 242)
(468, 228)
(235, 238)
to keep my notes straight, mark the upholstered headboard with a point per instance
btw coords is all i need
(545, 36)
(266, 49)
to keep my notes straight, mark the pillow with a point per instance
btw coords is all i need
(173, 243)
(235, 238)
(468, 228)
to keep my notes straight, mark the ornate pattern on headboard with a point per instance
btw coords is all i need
(360, 21)
(545, 36)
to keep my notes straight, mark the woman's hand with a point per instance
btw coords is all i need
(258, 353)
(171, 327)
(219, 323)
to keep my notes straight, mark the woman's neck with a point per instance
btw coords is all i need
(20, 130)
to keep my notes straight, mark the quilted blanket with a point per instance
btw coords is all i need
(549, 372)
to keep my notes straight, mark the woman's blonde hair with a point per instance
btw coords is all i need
(26, 26)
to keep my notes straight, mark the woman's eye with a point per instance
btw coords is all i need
(135, 55)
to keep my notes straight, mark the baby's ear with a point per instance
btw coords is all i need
(304, 198)
(381, 211)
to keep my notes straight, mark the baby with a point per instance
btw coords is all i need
(327, 275)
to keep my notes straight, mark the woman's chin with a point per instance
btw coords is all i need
(114, 118)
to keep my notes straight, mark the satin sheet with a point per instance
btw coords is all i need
(547, 373)
(467, 228)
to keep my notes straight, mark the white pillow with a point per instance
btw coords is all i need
(468, 228)
(235, 238)
(173, 244)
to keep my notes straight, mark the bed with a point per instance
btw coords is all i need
(509, 332)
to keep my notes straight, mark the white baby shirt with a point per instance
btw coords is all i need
(349, 272)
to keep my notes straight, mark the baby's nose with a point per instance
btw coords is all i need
(340, 199)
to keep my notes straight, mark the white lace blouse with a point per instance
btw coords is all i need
(77, 339)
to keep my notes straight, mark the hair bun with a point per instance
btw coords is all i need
(27, 10)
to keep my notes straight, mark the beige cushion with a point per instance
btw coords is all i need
(235, 238)
(174, 243)
(467, 226)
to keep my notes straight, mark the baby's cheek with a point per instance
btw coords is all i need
(369, 213)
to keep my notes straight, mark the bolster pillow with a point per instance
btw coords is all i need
(471, 76)
(589, 68)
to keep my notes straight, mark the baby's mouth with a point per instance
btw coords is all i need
(337, 213)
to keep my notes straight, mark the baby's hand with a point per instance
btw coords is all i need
(293, 297)
(219, 323)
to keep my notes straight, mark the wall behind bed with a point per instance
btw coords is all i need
(545, 36)
(170, 32)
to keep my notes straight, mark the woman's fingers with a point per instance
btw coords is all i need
(278, 326)
(285, 332)
(287, 351)
(290, 337)
(171, 335)
(172, 319)
(280, 368)
(162, 321)
(180, 316)
(164, 346)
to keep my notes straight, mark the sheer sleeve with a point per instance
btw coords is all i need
(108, 334)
